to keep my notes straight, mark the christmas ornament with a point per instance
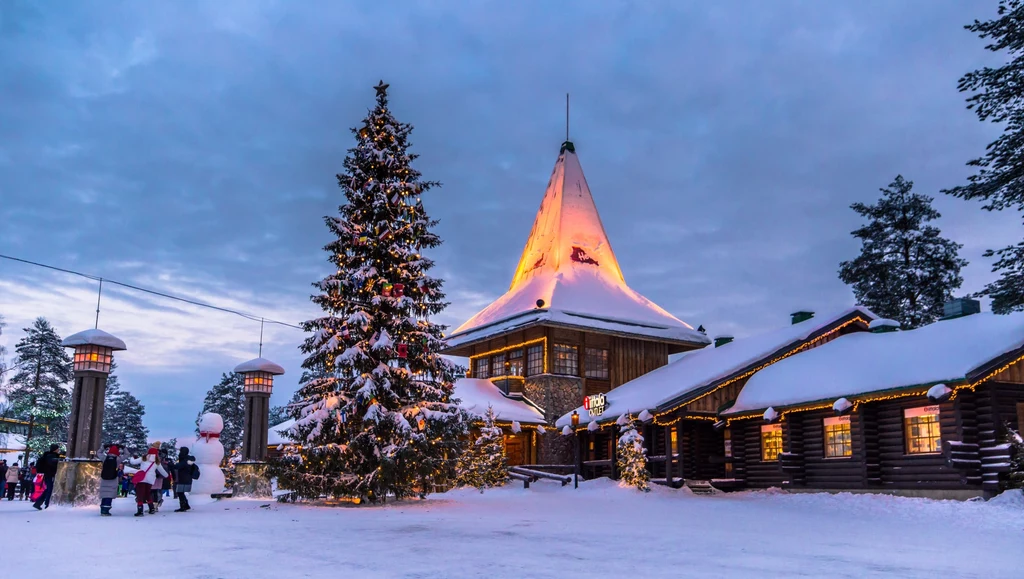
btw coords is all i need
(421, 423)
(344, 332)
(399, 289)
(403, 351)
(386, 291)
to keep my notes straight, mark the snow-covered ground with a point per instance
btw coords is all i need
(547, 531)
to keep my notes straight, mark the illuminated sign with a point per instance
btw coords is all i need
(594, 404)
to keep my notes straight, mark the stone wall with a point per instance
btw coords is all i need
(556, 395)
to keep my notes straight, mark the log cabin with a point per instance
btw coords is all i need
(569, 326)
(520, 420)
(681, 401)
(921, 412)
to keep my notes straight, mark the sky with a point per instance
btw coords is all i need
(192, 147)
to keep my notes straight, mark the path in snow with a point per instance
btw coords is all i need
(547, 531)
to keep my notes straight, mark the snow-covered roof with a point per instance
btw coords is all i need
(856, 364)
(274, 436)
(475, 394)
(94, 337)
(569, 264)
(259, 365)
(700, 370)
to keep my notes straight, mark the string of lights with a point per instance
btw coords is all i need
(252, 317)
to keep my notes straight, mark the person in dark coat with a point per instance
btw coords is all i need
(27, 474)
(47, 466)
(3, 477)
(185, 471)
(109, 483)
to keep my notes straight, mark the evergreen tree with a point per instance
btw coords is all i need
(1015, 479)
(278, 414)
(484, 464)
(999, 181)
(906, 270)
(632, 456)
(376, 417)
(39, 390)
(170, 447)
(227, 398)
(122, 418)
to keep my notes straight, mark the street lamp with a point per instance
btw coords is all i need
(93, 358)
(258, 383)
(576, 446)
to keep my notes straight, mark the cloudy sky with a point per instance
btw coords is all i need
(192, 147)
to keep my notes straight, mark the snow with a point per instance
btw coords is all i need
(702, 368)
(645, 416)
(938, 392)
(95, 337)
(947, 351)
(593, 426)
(770, 414)
(544, 532)
(274, 437)
(842, 405)
(569, 264)
(883, 323)
(476, 393)
(259, 365)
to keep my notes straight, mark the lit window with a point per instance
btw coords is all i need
(481, 368)
(535, 360)
(838, 442)
(566, 360)
(498, 365)
(674, 442)
(597, 363)
(771, 442)
(921, 429)
(515, 363)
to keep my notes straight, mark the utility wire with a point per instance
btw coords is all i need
(251, 317)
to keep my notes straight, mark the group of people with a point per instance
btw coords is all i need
(150, 476)
(33, 481)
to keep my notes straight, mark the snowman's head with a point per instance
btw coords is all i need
(211, 422)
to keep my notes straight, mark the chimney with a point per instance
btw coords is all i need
(960, 307)
(722, 340)
(801, 316)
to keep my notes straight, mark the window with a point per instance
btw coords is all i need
(566, 360)
(771, 442)
(597, 363)
(921, 429)
(674, 442)
(515, 363)
(498, 365)
(481, 368)
(838, 442)
(535, 360)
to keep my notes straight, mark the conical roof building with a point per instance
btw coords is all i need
(569, 317)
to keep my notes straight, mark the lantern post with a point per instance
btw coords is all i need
(576, 461)
(258, 383)
(77, 479)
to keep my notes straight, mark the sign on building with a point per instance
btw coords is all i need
(595, 404)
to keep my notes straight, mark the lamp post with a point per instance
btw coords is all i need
(576, 454)
(257, 385)
(94, 355)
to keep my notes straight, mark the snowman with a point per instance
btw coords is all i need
(209, 453)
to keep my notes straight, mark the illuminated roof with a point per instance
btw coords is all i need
(569, 264)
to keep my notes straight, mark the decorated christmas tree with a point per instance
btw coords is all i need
(484, 464)
(1015, 478)
(375, 417)
(632, 456)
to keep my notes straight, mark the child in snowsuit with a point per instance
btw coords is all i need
(149, 467)
(185, 471)
(109, 484)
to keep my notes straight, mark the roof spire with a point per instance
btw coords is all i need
(567, 145)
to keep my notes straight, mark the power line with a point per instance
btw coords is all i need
(251, 317)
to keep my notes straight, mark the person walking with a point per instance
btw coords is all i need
(12, 477)
(185, 471)
(109, 483)
(47, 466)
(149, 468)
(3, 476)
(165, 490)
(27, 474)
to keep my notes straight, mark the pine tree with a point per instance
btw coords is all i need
(227, 398)
(484, 464)
(376, 417)
(906, 270)
(999, 181)
(170, 447)
(39, 390)
(1015, 479)
(278, 414)
(122, 418)
(632, 456)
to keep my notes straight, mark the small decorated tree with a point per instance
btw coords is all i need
(1015, 480)
(484, 465)
(632, 456)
